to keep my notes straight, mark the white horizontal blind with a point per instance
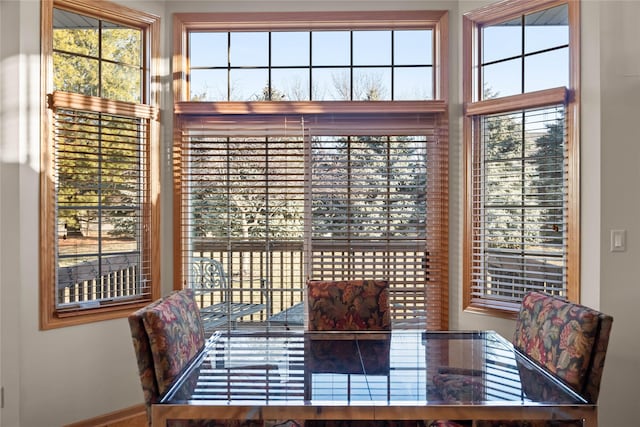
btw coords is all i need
(519, 206)
(101, 180)
(242, 203)
(376, 198)
(278, 200)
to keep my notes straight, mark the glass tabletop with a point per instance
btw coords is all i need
(403, 367)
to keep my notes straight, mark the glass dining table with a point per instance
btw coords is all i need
(396, 375)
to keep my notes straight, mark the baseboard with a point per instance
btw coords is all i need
(134, 416)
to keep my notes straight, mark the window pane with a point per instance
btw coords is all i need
(208, 49)
(371, 84)
(121, 44)
(100, 191)
(523, 197)
(371, 47)
(413, 47)
(547, 29)
(75, 74)
(249, 49)
(331, 84)
(413, 83)
(290, 49)
(248, 85)
(536, 71)
(331, 48)
(121, 82)
(75, 33)
(501, 41)
(208, 85)
(502, 79)
(290, 84)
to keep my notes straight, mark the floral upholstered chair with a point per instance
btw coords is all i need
(167, 334)
(353, 305)
(348, 305)
(568, 340)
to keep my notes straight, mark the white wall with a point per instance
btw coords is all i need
(620, 208)
(57, 377)
(64, 375)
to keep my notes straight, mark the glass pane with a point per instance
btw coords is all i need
(75, 74)
(372, 48)
(371, 84)
(121, 44)
(75, 33)
(413, 47)
(413, 83)
(547, 29)
(208, 85)
(248, 85)
(330, 48)
(122, 228)
(502, 41)
(331, 84)
(290, 49)
(502, 79)
(249, 49)
(121, 82)
(290, 84)
(502, 135)
(208, 50)
(546, 70)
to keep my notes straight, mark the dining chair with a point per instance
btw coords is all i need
(167, 334)
(352, 305)
(348, 305)
(566, 339)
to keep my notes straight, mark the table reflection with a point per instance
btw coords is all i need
(340, 368)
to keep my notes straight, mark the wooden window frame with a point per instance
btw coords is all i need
(186, 112)
(50, 316)
(473, 107)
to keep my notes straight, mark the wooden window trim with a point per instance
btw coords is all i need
(472, 21)
(150, 25)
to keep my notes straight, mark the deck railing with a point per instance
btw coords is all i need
(110, 277)
(273, 277)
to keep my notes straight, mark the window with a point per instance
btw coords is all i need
(334, 180)
(99, 188)
(520, 89)
(311, 65)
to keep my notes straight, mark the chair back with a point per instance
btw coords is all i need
(207, 273)
(568, 340)
(348, 305)
(167, 334)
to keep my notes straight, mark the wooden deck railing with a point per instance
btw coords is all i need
(272, 277)
(110, 277)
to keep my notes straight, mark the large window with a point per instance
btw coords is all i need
(520, 92)
(336, 180)
(100, 174)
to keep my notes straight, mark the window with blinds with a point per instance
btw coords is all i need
(101, 173)
(242, 204)
(521, 72)
(369, 212)
(519, 234)
(280, 200)
(99, 189)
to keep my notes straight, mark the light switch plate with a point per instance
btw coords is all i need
(618, 240)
